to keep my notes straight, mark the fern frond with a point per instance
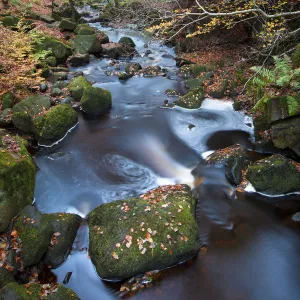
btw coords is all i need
(293, 105)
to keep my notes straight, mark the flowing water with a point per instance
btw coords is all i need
(140, 145)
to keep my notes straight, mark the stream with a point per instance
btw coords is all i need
(140, 145)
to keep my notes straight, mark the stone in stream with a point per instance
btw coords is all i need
(102, 37)
(79, 59)
(275, 175)
(27, 109)
(191, 100)
(86, 44)
(5, 277)
(67, 24)
(191, 71)
(151, 232)
(124, 76)
(95, 100)
(233, 159)
(54, 124)
(17, 178)
(132, 68)
(77, 86)
(127, 41)
(115, 50)
(152, 71)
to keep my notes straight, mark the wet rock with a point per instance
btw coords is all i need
(180, 62)
(132, 68)
(79, 59)
(5, 117)
(54, 124)
(115, 50)
(67, 25)
(14, 291)
(77, 73)
(102, 37)
(84, 29)
(286, 134)
(95, 100)
(147, 52)
(63, 293)
(59, 50)
(124, 76)
(43, 87)
(67, 100)
(65, 227)
(17, 178)
(167, 56)
(77, 86)
(7, 100)
(86, 44)
(233, 159)
(275, 175)
(191, 100)
(191, 71)
(5, 277)
(127, 41)
(24, 111)
(154, 231)
(152, 71)
(56, 92)
(193, 84)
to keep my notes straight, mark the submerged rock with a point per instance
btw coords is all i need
(275, 175)
(191, 100)
(86, 44)
(233, 159)
(77, 86)
(54, 124)
(24, 111)
(155, 231)
(17, 178)
(95, 100)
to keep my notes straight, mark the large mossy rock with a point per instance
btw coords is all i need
(191, 71)
(191, 100)
(65, 226)
(54, 124)
(9, 21)
(132, 68)
(233, 159)
(194, 83)
(63, 293)
(79, 59)
(86, 44)
(95, 100)
(275, 175)
(286, 134)
(14, 291)
(155, 231)
(114, 50)
(67, 25)
(127, 41)
(17, 178)
(102, 37)
(77, 86)
(84, 29)
(5, 277)
(59, 50)
(24, 111)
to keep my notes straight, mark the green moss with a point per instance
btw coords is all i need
(67, 24)
(5, 277)
(77, 86)
(9, 21)
(95, 100)
(7, 100)
(274, 175)
(296, 57)
(195, 83)
(14, 291)
(51, 61)
(124, 76)
(24, 111)
(17, 178)
(132, 68)
(5, 117)
(86, 44)
(54, 124)
(84, 29)
(63, 293)
(191, 71)
(127, 41)
(192, 100)
(160, 225)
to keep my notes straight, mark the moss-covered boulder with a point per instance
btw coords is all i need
(24, 111)
(124, 76)
(7, 100)
(86, 44)
(233, 159)
(5, 277)
(127, 41)
(84, 29)
(79, 59)
(54, 124)
(132, 68)
(63, 293)
(151, 232)
(194, 83)
(51, 61)
(5, 117)
(59, 50)
(17, 178)
(14, 291)
(65, 227)
(191, 71)
(191, 100)
(152, 71)
(95, 100)
(102, 37)
(296, 57)
(275, 175)
(77, 86)
(114, 50)
(67, 25)
(9, 21)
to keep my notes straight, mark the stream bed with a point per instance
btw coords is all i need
(140, 145)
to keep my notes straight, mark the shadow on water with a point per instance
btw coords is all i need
(139, 145)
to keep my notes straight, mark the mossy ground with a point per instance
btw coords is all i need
(136, 235)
